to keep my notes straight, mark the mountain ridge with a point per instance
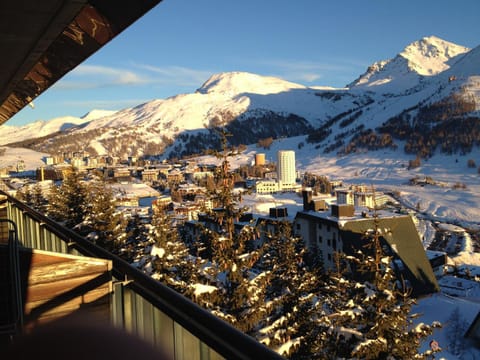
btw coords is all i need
(426, 57)
(249, 105)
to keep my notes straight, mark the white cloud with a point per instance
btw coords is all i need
(177, 75)
(307, 71)
(98, 76)
(105, 103)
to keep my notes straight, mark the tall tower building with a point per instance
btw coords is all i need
(286, 168)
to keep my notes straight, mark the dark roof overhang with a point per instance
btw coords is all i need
(42, 40)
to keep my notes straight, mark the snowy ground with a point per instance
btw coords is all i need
(386, 171)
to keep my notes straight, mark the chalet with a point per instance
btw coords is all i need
(455, 286)
(343, 229)
(150, 175)
(175, 175)
(266, 187)
(360, 196)
(163, 169)
(186, 211)
(199, 175)
(134, 194)
(161, 203)
(190, 190)
(122, 174)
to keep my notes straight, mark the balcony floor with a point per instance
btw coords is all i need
(56, 285)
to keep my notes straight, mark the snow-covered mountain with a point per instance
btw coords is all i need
(384, 107)
(426, 57)
(41, 128)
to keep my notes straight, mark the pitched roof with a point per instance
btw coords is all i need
(401, 235)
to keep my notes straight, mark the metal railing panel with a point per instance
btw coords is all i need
(142, 305)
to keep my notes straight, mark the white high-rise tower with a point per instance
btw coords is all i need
(286, 169)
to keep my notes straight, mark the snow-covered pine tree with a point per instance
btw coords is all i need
(66, 202)
(24, 194)
(136, 239)
(172, 263)
(102, 223)
(38, 201)
(292, 292)
(367, 315)
(32, 195)
(239, 297)
(55, 204)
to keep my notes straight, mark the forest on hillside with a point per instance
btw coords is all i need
(448, 126)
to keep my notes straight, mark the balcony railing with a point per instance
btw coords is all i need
(140, 304)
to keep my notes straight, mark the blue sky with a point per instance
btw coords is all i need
(180, 43)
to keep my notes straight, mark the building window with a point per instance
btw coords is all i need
(320, 239)
(319, 225)
(334, 243)
(329, 256)
(329, 242)
(328, 227)
(298, 226)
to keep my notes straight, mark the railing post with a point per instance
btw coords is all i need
(3, 215)
(117, 307)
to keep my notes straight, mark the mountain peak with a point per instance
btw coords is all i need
(237, 82)
(431, 55)
(95, 114)
(426, 57)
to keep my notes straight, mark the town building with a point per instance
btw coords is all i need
(360, 196)
(150, 175)
(260, 159)
(122, 174)
(345, 229)
(266, 186)
(283, 179)
(53, 172)
(287, 175)
(175, 175)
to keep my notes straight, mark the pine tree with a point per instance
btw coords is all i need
(38, 201)
(367, 315)
(136, 237)
(102, 223)
(172, 264)
(66, 202)
(24, 194)
(292, 292)
(240, 290)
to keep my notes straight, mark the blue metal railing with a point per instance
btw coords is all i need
(140, 304)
